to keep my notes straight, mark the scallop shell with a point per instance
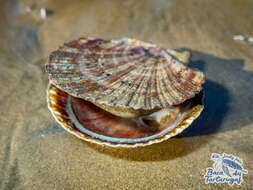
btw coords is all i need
(122, 73)
(90, 123)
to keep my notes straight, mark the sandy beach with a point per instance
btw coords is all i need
(36, 153)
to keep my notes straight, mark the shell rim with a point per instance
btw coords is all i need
(194, 112)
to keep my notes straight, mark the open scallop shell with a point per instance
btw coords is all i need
(90, 123)
(122, 73)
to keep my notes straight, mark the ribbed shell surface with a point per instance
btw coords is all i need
(123, 73)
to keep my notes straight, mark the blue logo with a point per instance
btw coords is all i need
(226, 168)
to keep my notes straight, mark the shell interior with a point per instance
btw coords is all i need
(91, 123)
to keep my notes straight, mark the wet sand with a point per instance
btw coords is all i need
(36, 153)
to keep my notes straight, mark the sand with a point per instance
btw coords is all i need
(36, 153)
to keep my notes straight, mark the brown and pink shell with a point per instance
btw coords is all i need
(90, 123)
(122, 92)
(122, 73)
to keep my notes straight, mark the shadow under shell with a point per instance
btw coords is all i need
(91, 123)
